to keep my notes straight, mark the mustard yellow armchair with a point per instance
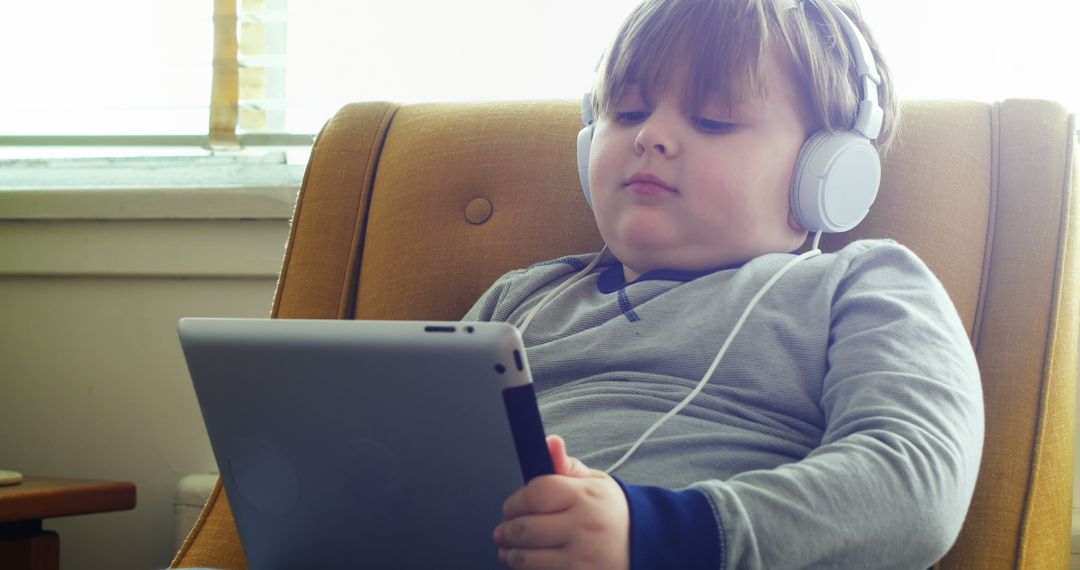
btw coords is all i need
(410, 212)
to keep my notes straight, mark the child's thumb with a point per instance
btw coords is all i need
(564, 464)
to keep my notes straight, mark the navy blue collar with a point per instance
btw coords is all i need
(613, 279)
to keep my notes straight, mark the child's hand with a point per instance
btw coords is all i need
(577, 518)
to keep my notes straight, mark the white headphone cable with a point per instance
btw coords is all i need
(716, 361)
(719, 355)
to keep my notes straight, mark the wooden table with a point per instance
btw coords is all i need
(23, 543)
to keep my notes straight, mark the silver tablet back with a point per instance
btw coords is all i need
(381, 444)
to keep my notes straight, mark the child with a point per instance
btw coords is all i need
(835, 420)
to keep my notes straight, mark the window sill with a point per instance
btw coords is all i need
(162, 203)
(198, 216)
(243, 186)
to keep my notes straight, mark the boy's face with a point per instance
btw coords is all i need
(693, 189)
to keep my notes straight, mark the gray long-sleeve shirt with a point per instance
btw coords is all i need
(842, 429)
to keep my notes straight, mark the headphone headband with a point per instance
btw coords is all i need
(869, 117)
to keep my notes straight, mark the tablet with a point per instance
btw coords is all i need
(381, 444)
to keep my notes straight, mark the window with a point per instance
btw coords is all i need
(113, 67)
(980, 49)
(126, 67)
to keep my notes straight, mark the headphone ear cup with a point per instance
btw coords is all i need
(584, 145)
(835, 181)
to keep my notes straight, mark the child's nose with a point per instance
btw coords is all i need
(658, 147)
(656, 136)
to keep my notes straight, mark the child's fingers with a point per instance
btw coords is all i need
(533, 531)
(564, 464)
(525, 559)
(544, 494)
(557, 448)
(575, 468)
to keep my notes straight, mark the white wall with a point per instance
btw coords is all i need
(92, 380)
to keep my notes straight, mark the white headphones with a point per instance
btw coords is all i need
(837, 174)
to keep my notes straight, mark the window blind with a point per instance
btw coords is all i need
(262, 98)
(224, 90)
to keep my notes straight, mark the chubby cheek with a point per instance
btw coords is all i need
(794, 229)
(604, 172)
(602, 161)
(788, 229)
(769, 207)
(776, 165)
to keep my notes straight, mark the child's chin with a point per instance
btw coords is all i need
(648, 229)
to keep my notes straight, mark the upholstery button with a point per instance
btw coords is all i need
(478, 211)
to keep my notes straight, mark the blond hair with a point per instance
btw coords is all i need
(726, 44)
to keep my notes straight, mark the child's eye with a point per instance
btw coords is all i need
(630, 117)
(711, 126)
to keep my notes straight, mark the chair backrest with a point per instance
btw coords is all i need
(410, 212)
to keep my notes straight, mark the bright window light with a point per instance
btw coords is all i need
(114, 67)
(107, 67)
(985, 50)
(432, 50)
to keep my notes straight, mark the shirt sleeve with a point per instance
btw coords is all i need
(487, 306)
(891, 482)
(671, 529)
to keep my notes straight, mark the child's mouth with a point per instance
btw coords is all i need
(647, 184)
